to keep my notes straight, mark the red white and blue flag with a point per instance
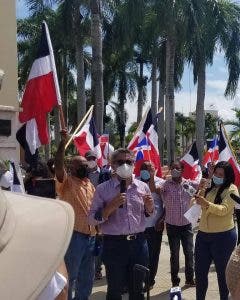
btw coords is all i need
(212, 154)
(190, 162)
(41, 94)
(106, 148)
(226, 154)
(87, 139)
(145, 144)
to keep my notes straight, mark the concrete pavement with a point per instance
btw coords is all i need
(163, 281)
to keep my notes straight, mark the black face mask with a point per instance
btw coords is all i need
(82, 172)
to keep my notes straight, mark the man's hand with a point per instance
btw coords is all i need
(148, 202)
(159, 226)
(113, 205)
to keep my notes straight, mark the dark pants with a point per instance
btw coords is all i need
(217, 247)
(237, 213)
(183, 234)
(98, 257)
(79, 261)
(119, 257)
(154, 240)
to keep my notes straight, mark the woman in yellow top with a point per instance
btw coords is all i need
(217, 236)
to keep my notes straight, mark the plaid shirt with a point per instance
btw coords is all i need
(176, 201)
(78, 193)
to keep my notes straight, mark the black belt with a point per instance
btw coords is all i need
(128, 237)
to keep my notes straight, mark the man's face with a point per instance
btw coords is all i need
(176, 171)
(92, 162)
(122, 158)
(77, 163)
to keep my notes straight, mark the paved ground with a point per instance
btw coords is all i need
(163, 282)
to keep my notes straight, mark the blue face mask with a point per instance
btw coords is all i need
(145, 175)
(217, 180)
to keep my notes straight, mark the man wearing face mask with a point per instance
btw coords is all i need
(154, 223)
(76, 189)
(120, 206)
(177, 201)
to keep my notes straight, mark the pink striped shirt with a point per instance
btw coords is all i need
(176, 201)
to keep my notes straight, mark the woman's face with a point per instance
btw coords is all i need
(219, 172)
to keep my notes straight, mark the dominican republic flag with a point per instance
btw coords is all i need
(17, 185)
(226, 154)
(87, 139)
(106, 148)
(145, 144)
(212, 154)
(190, 161)
(41, 94)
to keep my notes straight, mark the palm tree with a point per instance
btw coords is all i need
(97, 67)
(220, 27)
(235, 131)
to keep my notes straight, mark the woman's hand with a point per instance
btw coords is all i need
(202, 201)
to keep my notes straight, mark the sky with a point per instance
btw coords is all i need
(185, 99)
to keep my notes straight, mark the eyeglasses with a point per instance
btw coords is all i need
(121, 162)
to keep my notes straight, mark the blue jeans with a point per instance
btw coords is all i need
(216, 247)
(119, 257)
(79, 261)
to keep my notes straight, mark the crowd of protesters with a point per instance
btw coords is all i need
(120, 219)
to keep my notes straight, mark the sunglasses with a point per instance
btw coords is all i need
(121, 162)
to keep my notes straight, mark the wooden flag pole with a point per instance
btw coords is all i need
(61, 117)
(79, 126)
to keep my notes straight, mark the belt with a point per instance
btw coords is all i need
(128, 237)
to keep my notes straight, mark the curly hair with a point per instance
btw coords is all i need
(229, 178)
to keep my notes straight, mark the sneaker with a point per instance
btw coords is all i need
(191, 283)
(98, 276)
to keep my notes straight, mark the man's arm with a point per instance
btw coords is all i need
(59, 158)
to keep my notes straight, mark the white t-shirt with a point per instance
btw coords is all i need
(54, 287)
(6, 180)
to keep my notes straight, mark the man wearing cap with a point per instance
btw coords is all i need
(76, 189)
(120, 206)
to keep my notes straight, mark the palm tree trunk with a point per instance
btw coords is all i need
(79, 57)
(154, 87)
(161, 127)
(200, 117)
(140, 94)
(65, 86)
(170, 104)
(97, 66)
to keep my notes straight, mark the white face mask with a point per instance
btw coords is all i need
(124, 171)
(176, 173)
(92, 164)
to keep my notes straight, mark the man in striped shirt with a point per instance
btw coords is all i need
(176, 200)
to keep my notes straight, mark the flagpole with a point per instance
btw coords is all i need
(61, 117)
(79, 126)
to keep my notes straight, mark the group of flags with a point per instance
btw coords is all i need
(42, 95)
(219, 149)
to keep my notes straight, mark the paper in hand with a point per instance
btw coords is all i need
(193, 214)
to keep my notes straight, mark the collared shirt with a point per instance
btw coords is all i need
(158, 204)
(176, 201)
(94, 176)
(127, 220)
(218, 217)
(78, 193)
